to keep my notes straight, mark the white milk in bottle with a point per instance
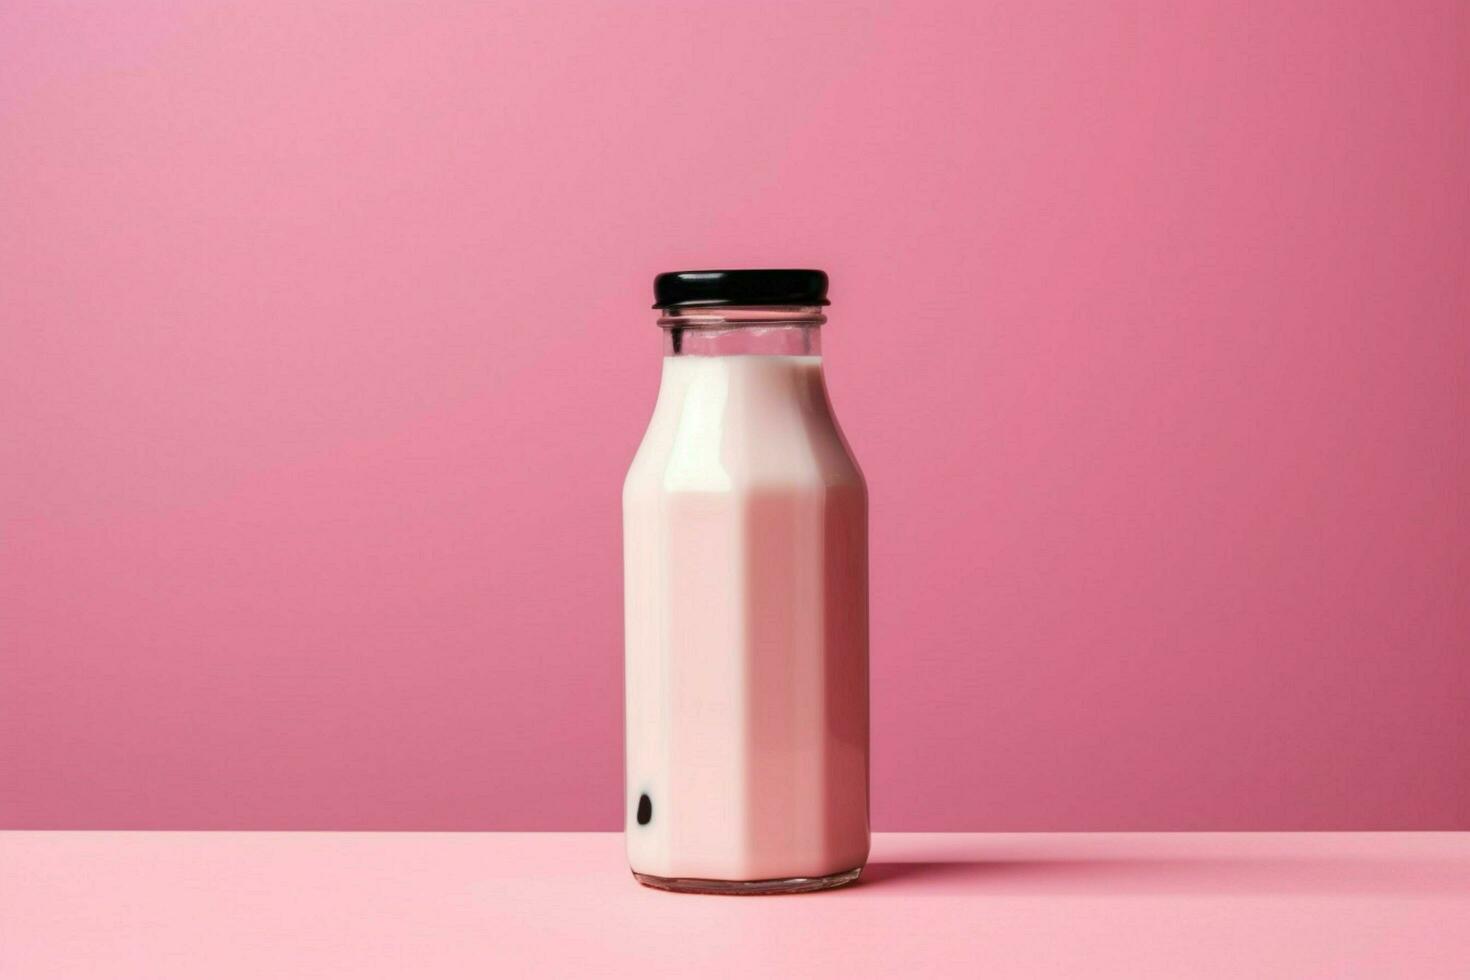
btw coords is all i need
(745, 578)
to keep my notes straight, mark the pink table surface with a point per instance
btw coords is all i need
(161, 905)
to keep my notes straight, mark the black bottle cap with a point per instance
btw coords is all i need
(740, 287)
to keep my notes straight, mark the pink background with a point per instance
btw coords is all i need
(326, 344)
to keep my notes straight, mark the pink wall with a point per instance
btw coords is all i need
(326, 345)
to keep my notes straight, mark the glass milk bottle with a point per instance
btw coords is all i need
(745, 578)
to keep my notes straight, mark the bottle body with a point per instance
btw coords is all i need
(745, 576)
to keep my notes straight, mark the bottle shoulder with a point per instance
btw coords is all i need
(665, 473)
(726, 423)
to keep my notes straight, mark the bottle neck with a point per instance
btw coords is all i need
(726, 331)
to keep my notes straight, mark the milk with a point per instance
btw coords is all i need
(745, 564)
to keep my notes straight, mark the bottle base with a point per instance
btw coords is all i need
(767, 886)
